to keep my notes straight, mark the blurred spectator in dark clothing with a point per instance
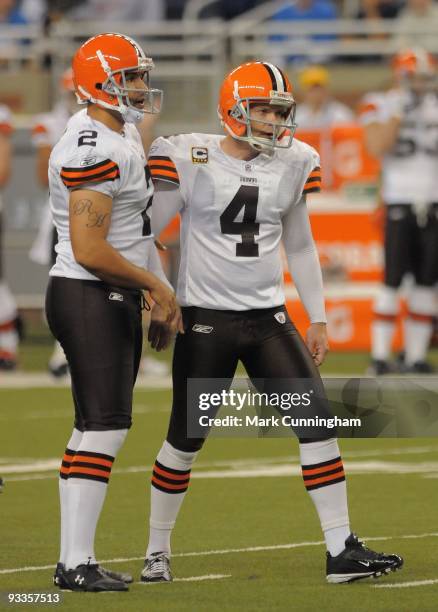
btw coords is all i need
(228, 9)
(378, 9)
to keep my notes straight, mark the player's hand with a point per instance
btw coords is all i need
(159, 334)
(317, 342)
(166, 300)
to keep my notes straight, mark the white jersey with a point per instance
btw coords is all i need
(92, 156)
(409, 170)
(231, 220)
(49, 127)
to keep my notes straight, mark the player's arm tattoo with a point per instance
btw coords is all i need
(95, 218)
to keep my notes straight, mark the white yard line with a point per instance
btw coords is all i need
(252, 471)
(192, 579)
(25, 380)
(227, 551)
(404, 585)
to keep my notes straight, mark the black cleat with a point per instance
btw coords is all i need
(7, 364)
(420, 367)
(59, 581)
(357, 562)
(157, 568)
(59, 371)
(90, 578)
(2, 484)
(379, 367)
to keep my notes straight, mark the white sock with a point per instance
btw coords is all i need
(170, 480)
(72, 446)
(382, 329)
(418, 325)
(87, 483)
(324, 479)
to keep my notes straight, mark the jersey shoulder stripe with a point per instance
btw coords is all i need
(313, 182)
(106, 170)
(162, 168)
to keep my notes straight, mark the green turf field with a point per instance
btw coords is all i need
(247, 524)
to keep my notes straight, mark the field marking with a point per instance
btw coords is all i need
(53, 463)
(227, 551)
(256, 471)
(192, 579)
(404, 585)
(27, 380)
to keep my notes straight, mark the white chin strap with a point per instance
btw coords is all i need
(129, 114)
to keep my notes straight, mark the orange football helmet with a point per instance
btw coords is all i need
(256, 83)
(414, 62)
(100, 67)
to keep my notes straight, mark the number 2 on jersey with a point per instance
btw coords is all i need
(247, 198)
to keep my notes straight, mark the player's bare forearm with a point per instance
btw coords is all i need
(90, 219)
(381, 137)
(5, 160)
(42, 165)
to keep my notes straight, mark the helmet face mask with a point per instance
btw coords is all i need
(279, 135)
(103, 70)
(256, 106)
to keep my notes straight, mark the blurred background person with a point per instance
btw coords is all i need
(11, 14)
(47, 130)
(304, 10)
(8, 308)
(375, 10)
(401, 128)
(318, 109)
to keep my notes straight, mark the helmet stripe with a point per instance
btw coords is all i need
(277, 79)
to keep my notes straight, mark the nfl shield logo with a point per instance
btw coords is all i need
(281, 317)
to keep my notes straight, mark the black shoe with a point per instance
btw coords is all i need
(420, 367)
(90, 577)
(7, 365)
(59, 581)
(379, 367)
(59, 371)
(1, 484)
(357, 561)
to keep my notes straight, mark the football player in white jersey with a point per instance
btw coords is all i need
(100, 191)
(47, 130)
(401, 127)
(239, 197)
(8, 306)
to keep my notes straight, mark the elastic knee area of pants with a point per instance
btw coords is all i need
(422, 300)
(106, 442)
(175, 458)
(317, 452)
(387, 301)
(75, 439)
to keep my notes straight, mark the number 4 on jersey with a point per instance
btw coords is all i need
(247, 198)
